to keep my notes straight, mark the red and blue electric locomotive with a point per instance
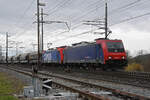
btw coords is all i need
(104, 53)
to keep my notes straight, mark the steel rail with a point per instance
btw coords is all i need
(114, 91)
(138, 79)
(90, 96)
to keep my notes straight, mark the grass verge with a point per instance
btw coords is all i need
(9, 85)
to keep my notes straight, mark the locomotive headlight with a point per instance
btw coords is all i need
(109, 57)
(123, 57)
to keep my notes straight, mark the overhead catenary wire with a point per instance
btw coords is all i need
(82, 33)
(58, 7)
(24, 13)
(76, 25)
(87, 13)
(131, 18)
(96, 5)
(84, 14)
(29, 27)
(122, 21)
(122, 8)
(26, 10)
(125, 7)
(55, 7)
(132, 5)
(19, 21)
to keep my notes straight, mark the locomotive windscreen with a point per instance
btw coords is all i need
(115, 47)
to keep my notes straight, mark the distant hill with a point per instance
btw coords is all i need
(143, 60)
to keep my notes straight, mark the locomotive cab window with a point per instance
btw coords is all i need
(115, 47)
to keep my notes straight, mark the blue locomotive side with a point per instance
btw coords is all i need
(91, 53)
(51, 56)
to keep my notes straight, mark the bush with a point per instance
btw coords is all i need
(134, 67)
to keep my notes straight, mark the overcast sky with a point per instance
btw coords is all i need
(17, 17)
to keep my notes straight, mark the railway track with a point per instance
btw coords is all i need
(89, 90)
(122, 74)
(129, 78)
(138, 79)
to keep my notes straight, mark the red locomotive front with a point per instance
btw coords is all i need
(114, 52)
